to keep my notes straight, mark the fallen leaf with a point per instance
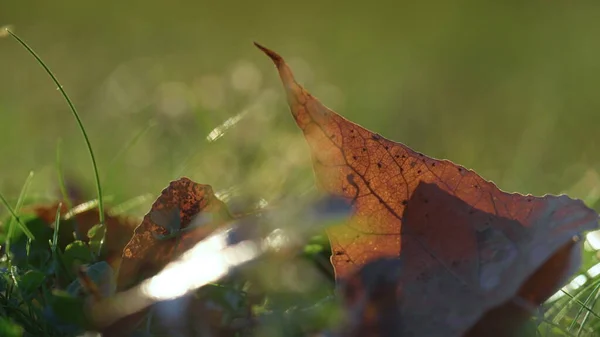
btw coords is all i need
(77, 253)
(459, 246)
(182, 204)
(164, 233)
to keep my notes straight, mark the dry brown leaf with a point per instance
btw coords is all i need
(182, 205)
(459, 245)
(147, 253)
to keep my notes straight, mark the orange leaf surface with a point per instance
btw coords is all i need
(463, 245)
(191, 204)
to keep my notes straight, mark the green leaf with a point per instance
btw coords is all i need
(96, 235)
(31, 281)
(66, 312)
(76, 253)
(39, 249)
(312, 249)
(9, 328)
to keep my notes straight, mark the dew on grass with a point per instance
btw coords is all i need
(4, 30)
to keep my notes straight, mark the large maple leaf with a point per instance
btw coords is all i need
(459, 245)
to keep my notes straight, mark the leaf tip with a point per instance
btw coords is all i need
(277, 59)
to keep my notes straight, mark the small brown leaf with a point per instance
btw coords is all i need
(182, 204)
(463, 245)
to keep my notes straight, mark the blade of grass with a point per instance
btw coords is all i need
(131, 143)
(56, 229)
(130, 204)
(562, 305)
(61, 179)
(28, 249)
(11, 229)
(79, 123)
(593, 293)
(84, 207)
(587, 314)
(581, 304)
(149, 321)
(54, 246)
(562, 329)
(14, 212)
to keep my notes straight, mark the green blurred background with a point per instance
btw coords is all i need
(508, 88)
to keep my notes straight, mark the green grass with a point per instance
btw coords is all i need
(76, 116)
(34, 296)
(60, 177)
(15, 211)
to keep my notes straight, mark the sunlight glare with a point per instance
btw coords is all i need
(577, 282)
(227, 194)
(204, 263)
(81, 208)
(262, 203)
(219, 131)
(276, 240)
(594, 270)
(593, 238)
(557, 295)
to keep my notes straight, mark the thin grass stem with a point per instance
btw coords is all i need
(79, 123)
(581, 304)
(587, 314)
(130, 144)
(61, 180)
(14, 212)
(56, 229)
(581, 309)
